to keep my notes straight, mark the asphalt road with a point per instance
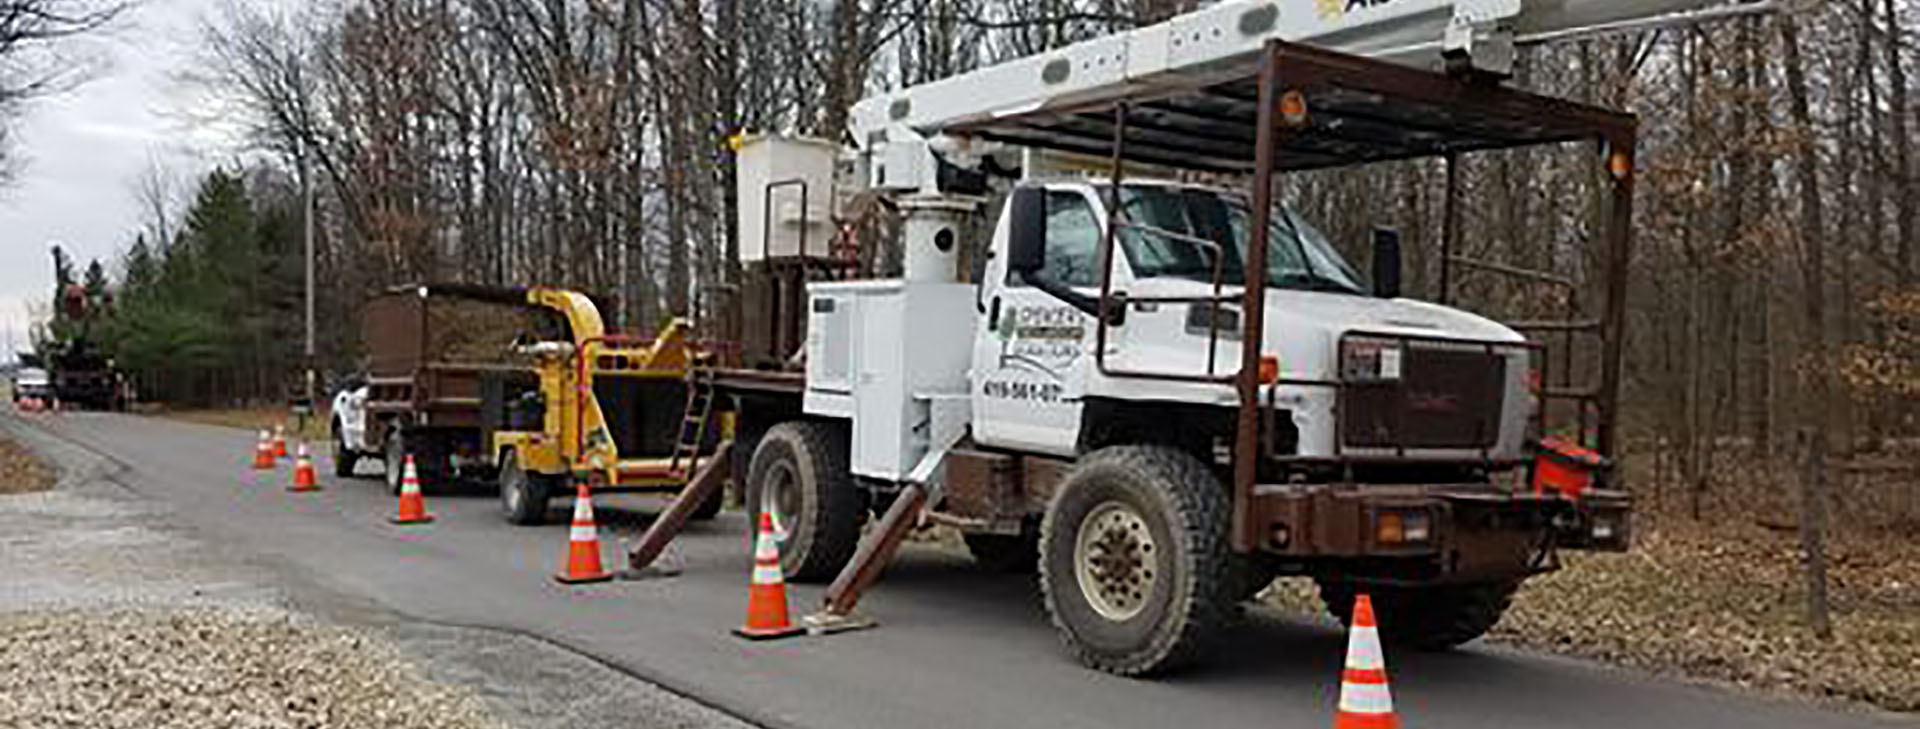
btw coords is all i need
(957, 647)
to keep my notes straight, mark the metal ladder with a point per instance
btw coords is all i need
(693, 423)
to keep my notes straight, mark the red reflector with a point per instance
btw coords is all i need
(1564, 468)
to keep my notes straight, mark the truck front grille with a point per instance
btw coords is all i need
(1448, 396)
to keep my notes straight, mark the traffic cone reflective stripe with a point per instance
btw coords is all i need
(583, 543)
(413, 508)
(263, 453)
(303, 476)
(1365, 700)
(767, 597)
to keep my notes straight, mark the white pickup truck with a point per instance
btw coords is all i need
(349, 427)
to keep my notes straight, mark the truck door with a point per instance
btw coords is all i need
(1030, 352)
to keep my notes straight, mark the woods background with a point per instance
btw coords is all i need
(584, 143)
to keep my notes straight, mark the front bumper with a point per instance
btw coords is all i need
(1474, 531)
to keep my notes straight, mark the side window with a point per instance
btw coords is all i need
(1073, 242)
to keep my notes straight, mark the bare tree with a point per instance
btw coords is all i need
(30, 63)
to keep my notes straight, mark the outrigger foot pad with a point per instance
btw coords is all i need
(827, 622)
(668, 564)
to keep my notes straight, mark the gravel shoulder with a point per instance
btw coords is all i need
(113, 615)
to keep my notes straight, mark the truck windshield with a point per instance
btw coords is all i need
(1160, 225)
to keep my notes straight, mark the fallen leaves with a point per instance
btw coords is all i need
(21, 471)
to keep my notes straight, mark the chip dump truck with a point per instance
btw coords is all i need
(1114, 355)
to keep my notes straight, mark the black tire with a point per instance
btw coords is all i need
(524, 497)
(808, 462)
(1008, 553)
(1247, 577)
(1434, 618)
(395, 455)
(429, 459)
(1159, 492)
(344, 458)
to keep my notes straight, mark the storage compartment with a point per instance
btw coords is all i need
(889, 348)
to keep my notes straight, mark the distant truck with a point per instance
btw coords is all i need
(522, 387)
(83, 377)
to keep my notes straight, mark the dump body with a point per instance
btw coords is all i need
(434, 360)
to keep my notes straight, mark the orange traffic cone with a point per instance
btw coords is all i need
(413, 509)
(280, 441)
(767, 596)
(1365, 701)
(263, 453)
(303, 478)
(583, 544)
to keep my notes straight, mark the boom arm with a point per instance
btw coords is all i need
(891, 128)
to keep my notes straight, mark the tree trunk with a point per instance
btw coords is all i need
(1813, 504)
(1909, 206)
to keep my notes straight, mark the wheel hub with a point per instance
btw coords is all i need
(1114, 559)
(781, 499)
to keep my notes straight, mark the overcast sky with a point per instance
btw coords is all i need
(84, 150)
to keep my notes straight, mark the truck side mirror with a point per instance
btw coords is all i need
(1027, 230)
(1386, 262)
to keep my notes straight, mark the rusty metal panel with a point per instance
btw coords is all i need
(983, 485)
(390, 328)
(1039, 477)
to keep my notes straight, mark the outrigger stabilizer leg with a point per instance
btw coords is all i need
(836, 613)
(924, 485)
(668, 525)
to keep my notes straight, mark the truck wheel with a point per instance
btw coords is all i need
(1434, 618)
(429, 459)
(395, 454)
(524, 496)
(1133, 559)
(1009, 553)
(344, 458)
(800, 475)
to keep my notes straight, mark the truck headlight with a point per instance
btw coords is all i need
(1364, 359)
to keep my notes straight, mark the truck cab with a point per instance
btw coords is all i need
(1170, 346)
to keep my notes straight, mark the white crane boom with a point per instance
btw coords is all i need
(1481, 33)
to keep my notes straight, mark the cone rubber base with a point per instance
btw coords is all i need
(302, 489)
(769, 633)
(827, 622)
(416, 520)
(568, 579)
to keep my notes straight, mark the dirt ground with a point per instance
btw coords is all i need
(255, 418)
(21, 471)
